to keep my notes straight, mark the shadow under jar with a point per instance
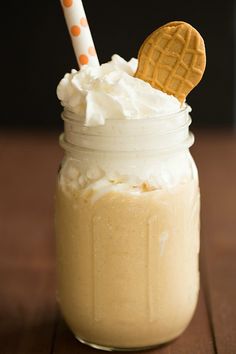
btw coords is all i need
(127, 226)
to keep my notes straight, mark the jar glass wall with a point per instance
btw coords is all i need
(127, 225)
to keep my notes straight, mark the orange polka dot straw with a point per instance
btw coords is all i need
(83, 22)
(92, 51)
(67, 3)
(80, 33)
(83, 59)
(75, 31)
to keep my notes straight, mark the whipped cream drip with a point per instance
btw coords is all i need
(111, 91)
(135, 176)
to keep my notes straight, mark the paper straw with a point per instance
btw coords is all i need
(80, 33)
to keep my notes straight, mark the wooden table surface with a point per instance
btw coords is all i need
(30, 321)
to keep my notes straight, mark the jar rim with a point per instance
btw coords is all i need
(68, 115)
(168, 132)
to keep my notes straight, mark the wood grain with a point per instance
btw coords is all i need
(29, 321)
(217, 163)
(27, 312)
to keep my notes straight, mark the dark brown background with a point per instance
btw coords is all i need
(36, 52)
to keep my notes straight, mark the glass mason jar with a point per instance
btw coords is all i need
(127, 225)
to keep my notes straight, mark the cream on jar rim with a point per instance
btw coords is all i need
(110, 91)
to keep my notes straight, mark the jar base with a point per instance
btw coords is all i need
(117, 349)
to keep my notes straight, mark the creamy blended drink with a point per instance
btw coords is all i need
(127, 204)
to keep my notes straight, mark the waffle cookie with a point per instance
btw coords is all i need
(172, 59)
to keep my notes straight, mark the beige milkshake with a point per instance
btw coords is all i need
(127, 210)
(128, 264)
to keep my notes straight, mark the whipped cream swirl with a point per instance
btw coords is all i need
(111, 91)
